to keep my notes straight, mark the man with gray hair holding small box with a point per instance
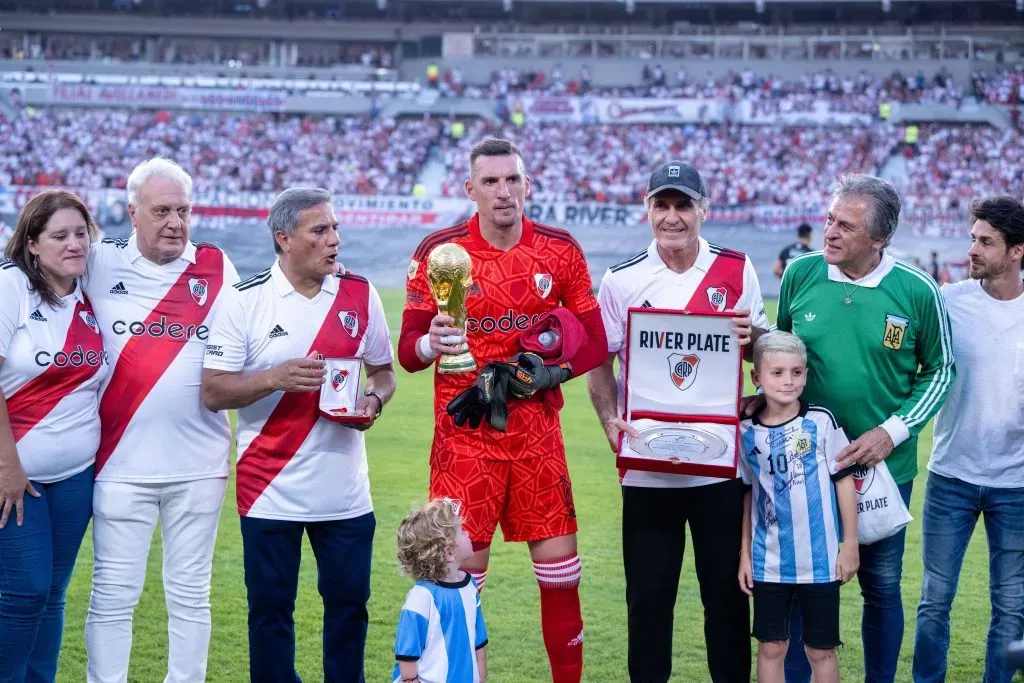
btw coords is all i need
(279, 337)
(678, 269)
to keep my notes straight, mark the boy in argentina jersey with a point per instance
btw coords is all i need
(441, 633)
(791, 540)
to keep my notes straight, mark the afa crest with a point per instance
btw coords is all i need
(683, 369)
(802, 444)
(895, 331)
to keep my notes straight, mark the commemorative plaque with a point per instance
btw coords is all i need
(341, 390)
(683, 383)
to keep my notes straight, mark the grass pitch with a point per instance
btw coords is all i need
(398, 448)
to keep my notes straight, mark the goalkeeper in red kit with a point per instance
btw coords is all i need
(497, 439)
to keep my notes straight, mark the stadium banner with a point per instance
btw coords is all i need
(618, 110)
(548, 108)
(209, 99)
(569, 215)
(648, 110)
(788, 112)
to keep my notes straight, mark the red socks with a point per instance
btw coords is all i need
(479, 577)
(560, 616)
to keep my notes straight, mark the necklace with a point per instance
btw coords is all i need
(849, 294)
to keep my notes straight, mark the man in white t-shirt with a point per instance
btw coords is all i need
(299, 472)
(977, 463)
(678, 270)
(162, 456)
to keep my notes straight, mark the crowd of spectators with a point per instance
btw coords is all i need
(954, 164)
(1000, 87)
(744, 165)
(862, 93)
(95, 148)
(197, 51)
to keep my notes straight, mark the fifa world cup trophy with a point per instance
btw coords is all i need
(449, 272)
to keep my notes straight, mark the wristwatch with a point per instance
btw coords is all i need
(380, 403)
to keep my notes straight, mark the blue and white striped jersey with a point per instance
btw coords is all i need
(793, 513)
(440, 628)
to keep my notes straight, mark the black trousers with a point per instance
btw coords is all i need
(653, 540)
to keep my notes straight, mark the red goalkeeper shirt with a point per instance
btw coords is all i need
(510, 290)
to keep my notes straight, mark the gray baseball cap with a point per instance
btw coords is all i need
(679, 176)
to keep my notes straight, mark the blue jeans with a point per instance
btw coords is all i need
(880, 573)
(271, 550)
(951, 509)
(36, 561)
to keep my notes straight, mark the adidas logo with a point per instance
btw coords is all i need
(646, 304)
(278, 331)
(36, 315)
(119, 288)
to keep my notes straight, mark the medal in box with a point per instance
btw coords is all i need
(682, 393)
(341, 391)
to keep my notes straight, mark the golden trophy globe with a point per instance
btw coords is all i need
(449, 272)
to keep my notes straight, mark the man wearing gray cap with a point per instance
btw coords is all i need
(678, 270)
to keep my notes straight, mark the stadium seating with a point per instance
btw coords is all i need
(745, 165)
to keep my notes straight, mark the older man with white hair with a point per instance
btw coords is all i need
(162, 455)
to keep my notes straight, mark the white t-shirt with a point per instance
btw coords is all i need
(155, 321)
(53, 364)
(719, 280)
(979, 432)
(293, 465)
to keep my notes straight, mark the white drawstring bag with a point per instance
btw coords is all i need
(881, 512)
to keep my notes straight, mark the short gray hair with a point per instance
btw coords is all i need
(284, 214)
(157, 166)
(778, 341)
(884, 217)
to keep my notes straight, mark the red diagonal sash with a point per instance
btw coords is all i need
(83, 350)
(726, 272)
(296, 413)
(145, 358)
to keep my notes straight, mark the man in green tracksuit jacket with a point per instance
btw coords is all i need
(879, 357)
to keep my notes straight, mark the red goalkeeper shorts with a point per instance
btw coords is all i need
(531, 498)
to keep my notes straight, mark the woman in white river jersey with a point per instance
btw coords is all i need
(51, 366)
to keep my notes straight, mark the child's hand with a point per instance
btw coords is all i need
(848, 562)
(746, 575)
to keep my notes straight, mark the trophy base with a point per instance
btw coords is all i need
(456, 363)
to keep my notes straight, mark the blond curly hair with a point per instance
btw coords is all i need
(426, 539)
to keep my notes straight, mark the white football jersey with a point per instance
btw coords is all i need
(293, 464)
(53, 364)
(794, 513)
(156, 321)
(719, 280)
